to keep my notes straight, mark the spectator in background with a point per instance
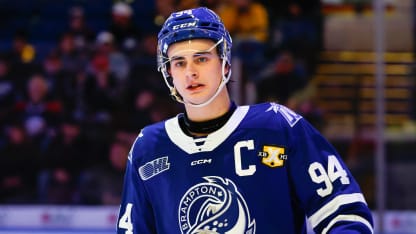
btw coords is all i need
(247, 20)
(78, 27)
(281, 80)
(118, 62)
(39, 111)
(54, 73)
(103, 97)
(102, 90)
(248, 24)
(102, 184)
(73, 59)
(66, 156)
(22, 61)
(297, 32)
(75, 62)
(65, 85)
(126, 33)
(18, 166)
(22, 51)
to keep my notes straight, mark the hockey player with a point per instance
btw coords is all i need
(223, 168)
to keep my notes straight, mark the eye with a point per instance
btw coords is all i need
(202, 59)
(178, 63)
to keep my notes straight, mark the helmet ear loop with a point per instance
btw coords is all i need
(226, 63)
(173, 92)
(226, 69)
(175, 95)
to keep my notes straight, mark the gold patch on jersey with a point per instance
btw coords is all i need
(273, 156)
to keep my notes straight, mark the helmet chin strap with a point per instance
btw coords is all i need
(224, 80)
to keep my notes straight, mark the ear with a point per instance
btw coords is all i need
(169, 70)
(227, 68)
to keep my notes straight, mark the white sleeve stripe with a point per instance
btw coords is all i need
(333, 206)
(352, 218)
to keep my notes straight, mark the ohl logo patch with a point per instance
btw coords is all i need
(273, 156)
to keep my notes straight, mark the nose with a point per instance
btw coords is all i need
(191, 71)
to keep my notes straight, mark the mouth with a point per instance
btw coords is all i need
(194, 87)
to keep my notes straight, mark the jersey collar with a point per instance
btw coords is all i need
(190, 145)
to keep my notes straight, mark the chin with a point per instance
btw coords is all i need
(197, 101)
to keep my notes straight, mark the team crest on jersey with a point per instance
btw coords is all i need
(273, 156)
(214, 206)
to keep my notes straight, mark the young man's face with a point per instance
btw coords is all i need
(196, 69)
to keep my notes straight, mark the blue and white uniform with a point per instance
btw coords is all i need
(267, 170)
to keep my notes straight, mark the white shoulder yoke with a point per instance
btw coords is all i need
(213, 140)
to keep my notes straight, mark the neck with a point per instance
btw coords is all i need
(200, 128)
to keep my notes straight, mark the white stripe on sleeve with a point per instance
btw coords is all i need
(332, 206)
(351, 218)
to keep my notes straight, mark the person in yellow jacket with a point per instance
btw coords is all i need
(248, 24)
(245, 19)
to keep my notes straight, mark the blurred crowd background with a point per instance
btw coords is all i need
(78, 81)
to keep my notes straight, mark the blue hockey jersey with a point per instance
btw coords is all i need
(267, 170)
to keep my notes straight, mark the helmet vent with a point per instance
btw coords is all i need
(164, 32)
(183, 17)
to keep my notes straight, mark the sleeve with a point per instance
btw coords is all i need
(324, 186)
(136, 214)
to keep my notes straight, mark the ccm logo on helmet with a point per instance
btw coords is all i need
(184, 25)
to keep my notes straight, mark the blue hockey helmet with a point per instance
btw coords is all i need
(197, 23)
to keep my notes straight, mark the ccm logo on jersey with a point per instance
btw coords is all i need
(273, 156)
(184, 25)
(201, 161)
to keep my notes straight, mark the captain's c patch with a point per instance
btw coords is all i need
(273, 156)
